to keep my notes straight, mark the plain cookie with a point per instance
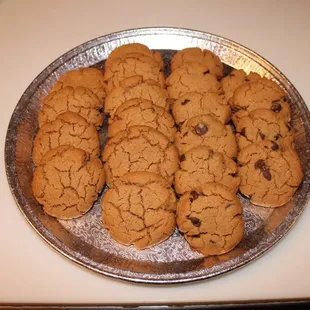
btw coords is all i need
(67, 182)
(140, 148)
(139, 210)
(211, 219)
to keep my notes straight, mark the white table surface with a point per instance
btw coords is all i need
(33, 33)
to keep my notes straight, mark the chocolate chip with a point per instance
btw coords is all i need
(276, 106)
(206, 72)
(262, 135)
(247, 80)
(195, 221)
(182, 157)
(267, 175)
(277, 137)
(260, 164)
(212, 241)
(185, 101)
(234, 159)
(194, 195)
(286, 99)
(201, 129)
(274, 146)
(242, 132)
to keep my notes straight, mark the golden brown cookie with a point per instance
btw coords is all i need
(200, 166)
(235, 79)
(132, 65)
(139, 209)
(79, 100)
(206, 130)
(135, 87)
(90, 78)
(194, 104)
(142, 112)
(192, 77)
(270, 174)
(195, 54)
(123, 50)
(211, 219)
(261, 94)
(140, 148)
(68, 128)
(261, 124)
(67, 182)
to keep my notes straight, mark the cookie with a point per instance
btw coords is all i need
(211, 219)
(261, 124)
(194, 104)
(67, 182)
(204, 57)
(235, 79)
(123, 50)
(261, 94)
(192, 77)
(200, 166)
(140, 148)
(90, 78)
(270, 174)
(135, 87)
(132, 65)
(79, 100)
(206, 130)
(142, 112)
(68, 128)
(139, 209)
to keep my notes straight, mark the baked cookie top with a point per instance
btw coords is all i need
(261, 124)
(142, 112)
(206, 130)
(139, 209)
(261, 94)
(193, 104)
(200, 166)
(123, 51)
(204, 57)
(135, 87)
(79, 100)
(140, 148)
(90, 78)
(235, 79)
(192, 77)
(211, 219)
(67, 182)
(68, 128)
(134, 64)
(270, 174)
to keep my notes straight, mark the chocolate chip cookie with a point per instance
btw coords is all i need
(211, 219)
(67, 182)
(270, 174)
(139, 209)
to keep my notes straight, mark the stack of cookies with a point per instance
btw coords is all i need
(69, 174)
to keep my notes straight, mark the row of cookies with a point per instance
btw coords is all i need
(69, 175)
(269, 167)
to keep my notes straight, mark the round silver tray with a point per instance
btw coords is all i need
(84, 240)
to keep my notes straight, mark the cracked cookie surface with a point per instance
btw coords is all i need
(135, 87)
(204, 57)
(68, 128)
(235, 79)
(206, 130)
(261, 124)
(192, 77)
(142, 112)
(200, 166)
(139, 210)
(211, 219)
(193, 104)
(134, 64)
(270, 174)
(261, 94)
(67, 182)
(140, 148)
(79, 100)
(90, 78)
(123, 50)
